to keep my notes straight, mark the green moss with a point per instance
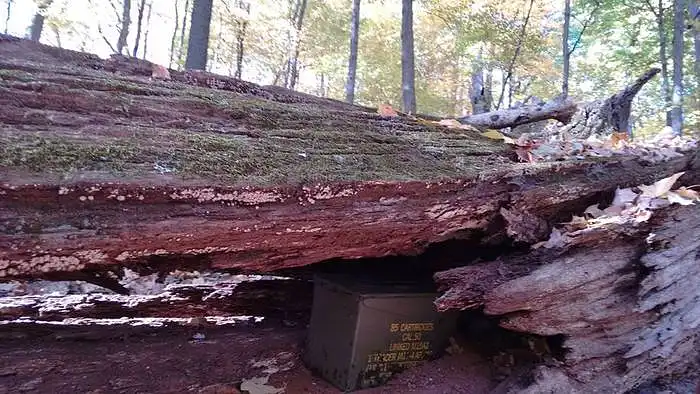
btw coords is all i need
(16, 75)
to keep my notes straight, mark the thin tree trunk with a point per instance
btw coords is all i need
(182, 32)
(198, 43)
(408, 71)
(477, 91)
(57, 33)
(293, 64)
(352, 62)
(7, 17)
(174, 37)
(565, 49)
(240, 42)
(148, 30)
(677, 98)
(518, 48)
(488, 88)
(139, 26)
(126, 22)
(694, 12)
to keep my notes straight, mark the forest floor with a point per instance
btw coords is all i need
(265, 359)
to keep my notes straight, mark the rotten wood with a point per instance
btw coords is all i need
(625, 299)
(104, 168)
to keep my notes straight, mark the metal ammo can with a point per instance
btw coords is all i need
(363, 330)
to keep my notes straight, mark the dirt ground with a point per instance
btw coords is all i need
(107, 360)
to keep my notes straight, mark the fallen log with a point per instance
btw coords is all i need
(580, 120)
(104, 168)
(625, 299)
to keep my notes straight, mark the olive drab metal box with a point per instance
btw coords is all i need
(364, 331)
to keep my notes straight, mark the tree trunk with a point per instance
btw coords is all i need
(198, 44)
(174, 36)
(518, 48)
(124, 29)
(139, 26)
(607, 116)
(694, 12)
(352, 62)
(477, 90)
(148, 30)
(240, 41)
(677, 95)
(408, 69)
(293, 64)
(9, 13)
(663, 59)
(182, 33)
(565, 49)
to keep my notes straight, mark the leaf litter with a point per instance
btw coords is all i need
(629, 206)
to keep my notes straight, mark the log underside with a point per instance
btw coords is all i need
(103, 168)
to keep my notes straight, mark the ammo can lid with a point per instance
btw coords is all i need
(376, 286)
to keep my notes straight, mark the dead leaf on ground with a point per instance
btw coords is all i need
(688, 193)
(386, 110)
(676, 198)
(450, 123)
(661, 187)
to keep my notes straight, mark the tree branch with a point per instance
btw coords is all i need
(583, 29)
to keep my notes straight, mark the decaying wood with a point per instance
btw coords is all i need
(581, 120)
(561, 110)
(626, 300)
(269, 299)
(103, 167)
(609, 115)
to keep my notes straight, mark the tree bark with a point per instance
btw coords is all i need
(8, 14)
(607, 116)
(626, 308)
(500, 119)
(352, 61)
(293, 64)
(148, 30)
(240, 40)
(408, 69)
(677, 95)
(694, 13)
(518, 48)
(124, 29)
(174, 36)
(477, 90)
(565, 49)
(316, 206)
(198, 44)
(139, 27)
(181, 53)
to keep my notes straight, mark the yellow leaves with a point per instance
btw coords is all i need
(450, 123)
(387, 110)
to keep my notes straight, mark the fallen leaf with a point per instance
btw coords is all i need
(676, 198)
(688, 193)
(617, 138)
(160, 72)
(386, 110)
(451, 123)
(524, 154)
(493, 134)
(661, 187)
(259, 386)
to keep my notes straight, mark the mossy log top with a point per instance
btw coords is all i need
(70, 115)
(102, 166)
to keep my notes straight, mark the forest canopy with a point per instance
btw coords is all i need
(513, 49)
